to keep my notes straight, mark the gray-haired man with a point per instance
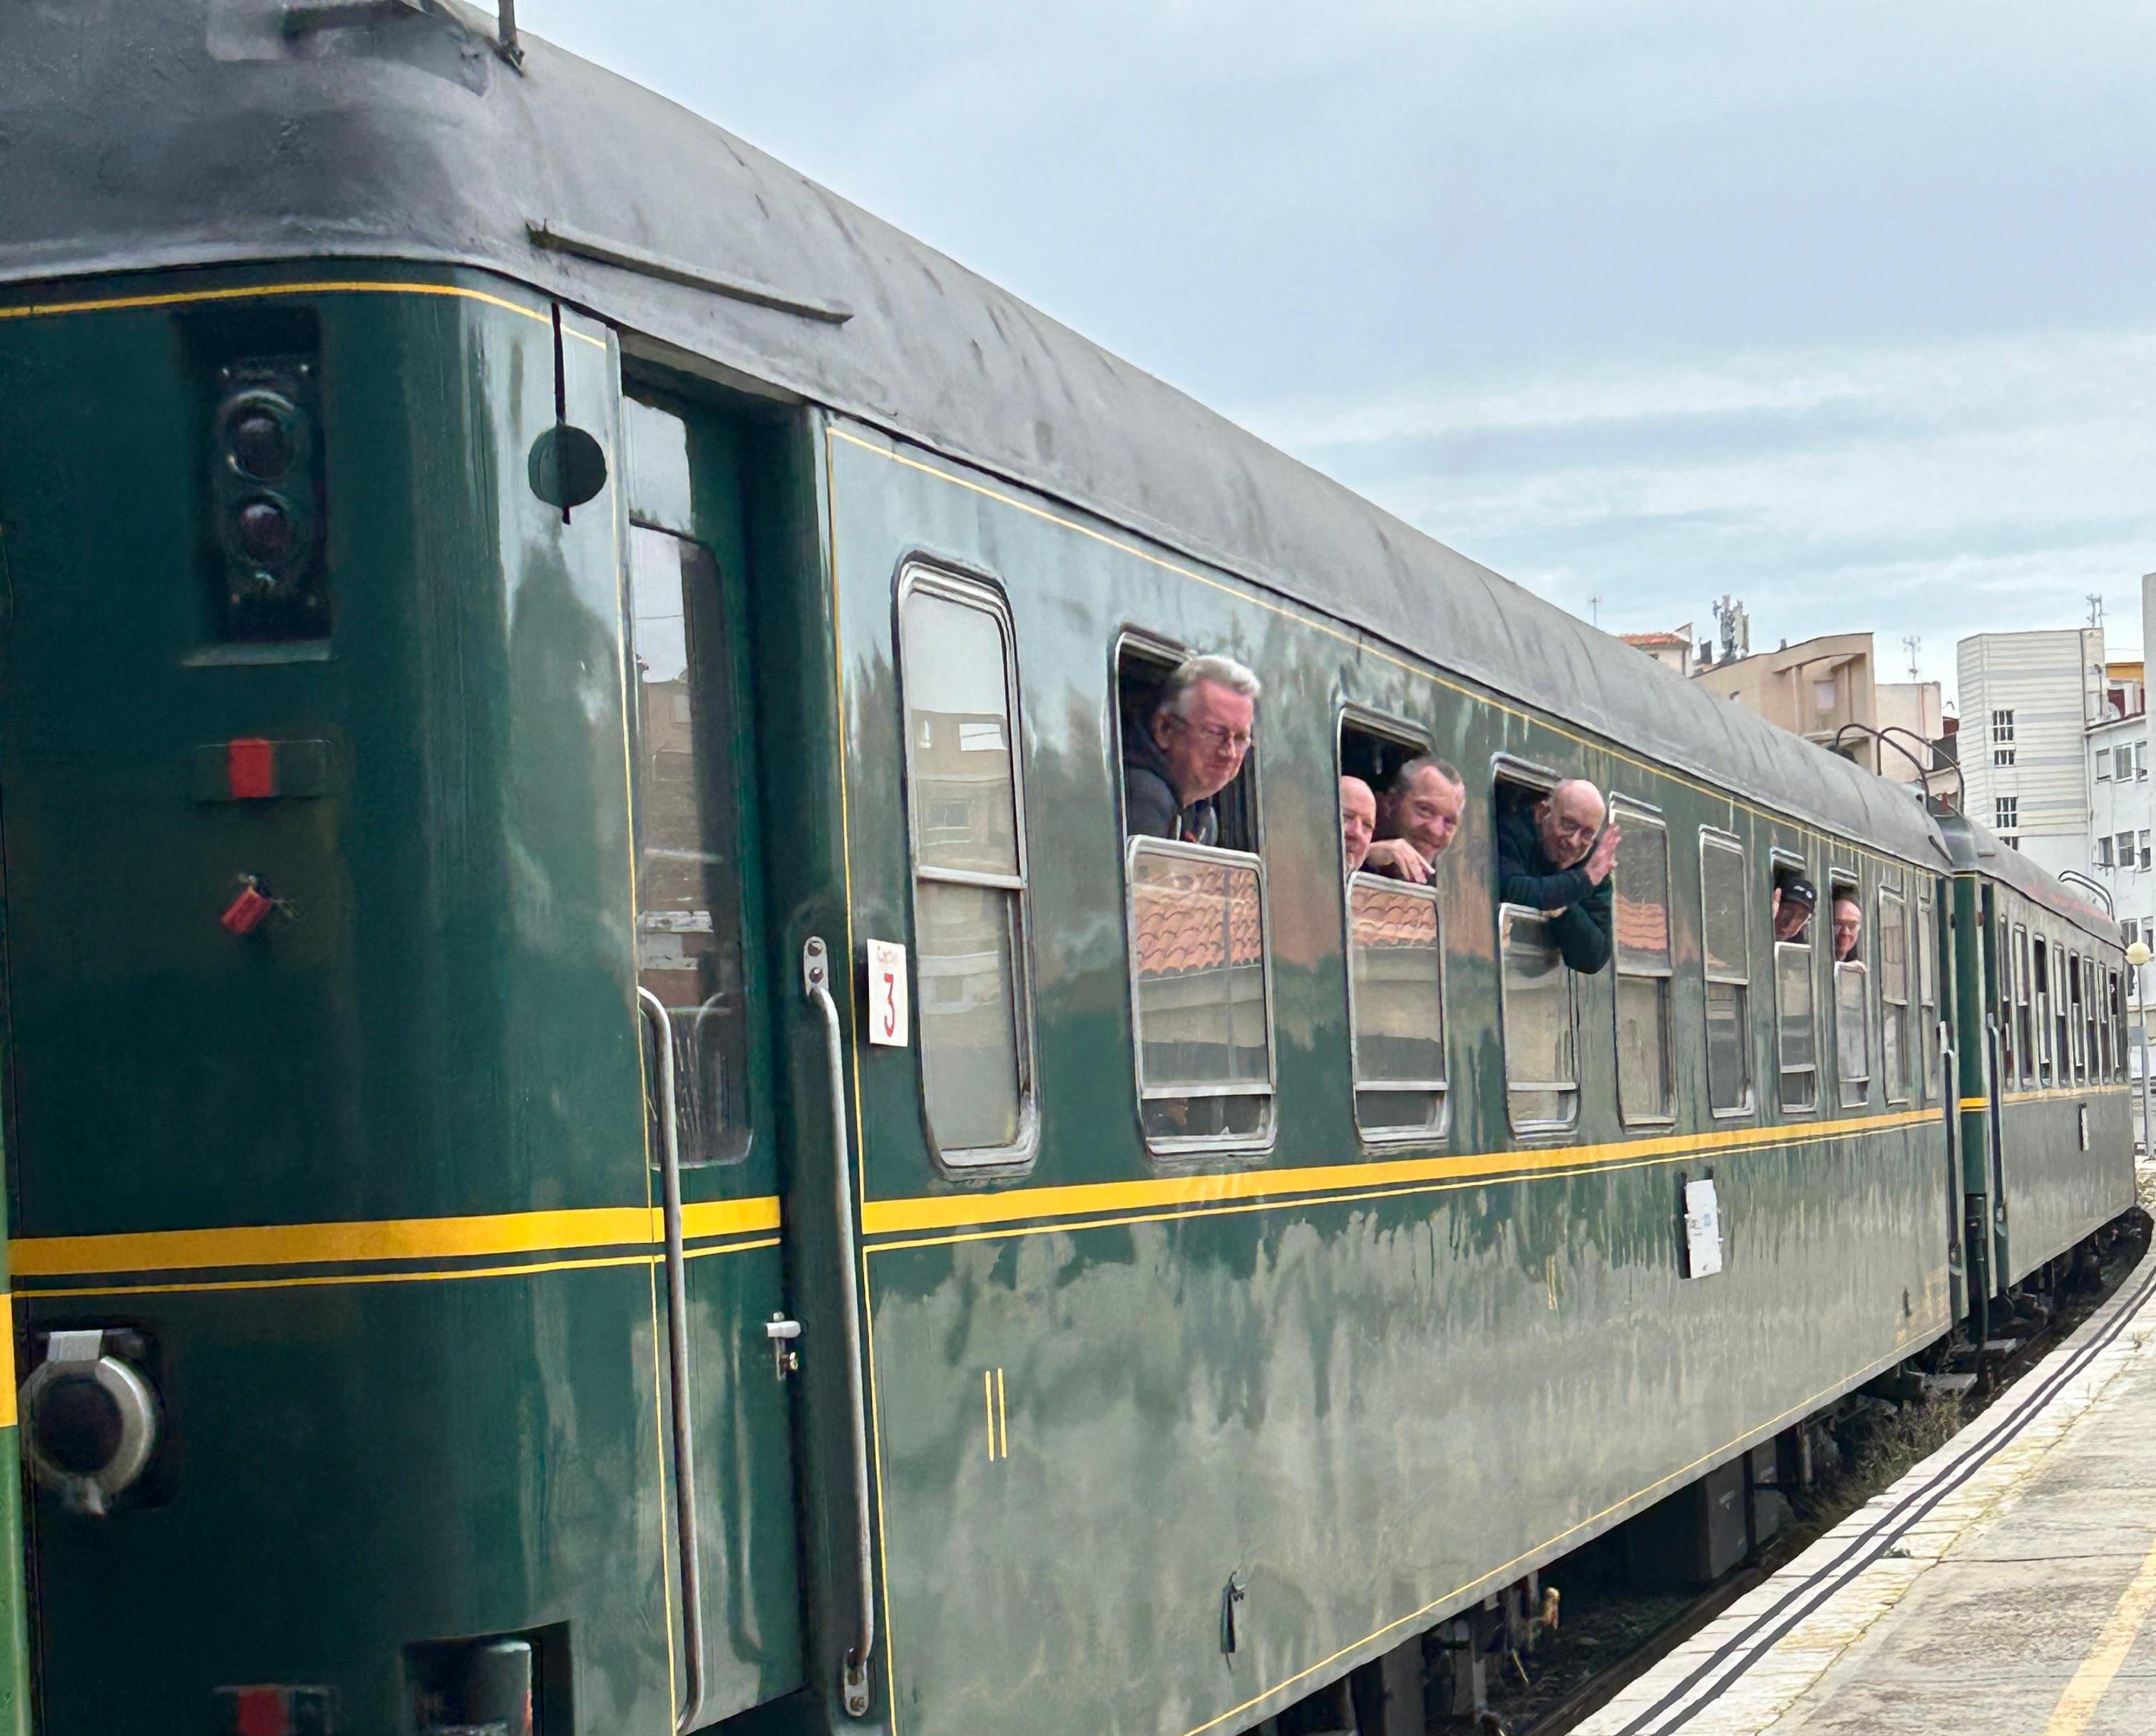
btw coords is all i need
(1194, 744)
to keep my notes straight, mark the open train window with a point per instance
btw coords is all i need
(1726, 962)
(1395, 966)
(1852, 1000)
(1894, 1033)
(958, 671)
(2025, 1022)
(1179, 755)
(1646, 1092)
(1796, 1019)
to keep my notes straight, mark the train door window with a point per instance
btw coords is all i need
(2076, 1044)
(1395, 969)
(2023, 1013)
(1542, 1024)
(2040, 985)
(1925, 944)
(1146, 737)
(690, 920)
(2062, 1016)
(959, 675)
(1646, 1090)
(2090, 1038)
(1852, 1008)
(1725, 928)
(1894, 1034)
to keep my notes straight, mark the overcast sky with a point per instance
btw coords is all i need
(1843, 309)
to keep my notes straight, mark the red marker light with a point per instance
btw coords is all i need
(251, 767)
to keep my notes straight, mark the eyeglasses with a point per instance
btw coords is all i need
(1223, 739)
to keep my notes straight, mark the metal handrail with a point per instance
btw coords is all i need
(854, 1676)
(682, 1413)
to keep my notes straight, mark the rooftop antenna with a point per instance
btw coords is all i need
(1912, 644)
(2095, 608)
(1595, 610)
(1736, 627)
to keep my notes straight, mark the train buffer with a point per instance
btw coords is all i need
(2006, 1587)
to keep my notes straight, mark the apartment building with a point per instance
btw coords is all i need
(2029, 702)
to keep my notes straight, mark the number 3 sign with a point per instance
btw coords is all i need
(887, 993)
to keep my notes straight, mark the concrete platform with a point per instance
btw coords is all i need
(2004, 1587)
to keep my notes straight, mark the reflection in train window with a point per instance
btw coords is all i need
(1726, 958)
(1926, 947)
(2040, 983)
(1396, 1007)
(2025, 1022)
(1542, 1024)
(1894, 1035)
(1201, 994)
(1796, 1025)
(1645, 1058)
(969, 888)
(1852, 1007)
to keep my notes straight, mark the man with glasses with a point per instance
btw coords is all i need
(1194, 744)
(1555, 856)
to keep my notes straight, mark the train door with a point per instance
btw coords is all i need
(708, 1011)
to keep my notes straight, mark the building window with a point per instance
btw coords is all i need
(1541, 1019)
(2006, 814)
(2144, 846)
(959, 678)
(2140, 762)
(2103, 852)
(2002, 726)
(2103, 763)
(1726, 963)
(2002, 755)
(1823, 694)
(2126, 850)
(1645, 1052)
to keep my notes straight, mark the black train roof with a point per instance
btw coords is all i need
(190, 132)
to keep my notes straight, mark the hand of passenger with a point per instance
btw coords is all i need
(1399, 855)
(1603, 857)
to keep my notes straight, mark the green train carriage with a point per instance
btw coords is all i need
(495, 631)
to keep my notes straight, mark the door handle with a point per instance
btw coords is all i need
(854, 1676)
(682, 1413)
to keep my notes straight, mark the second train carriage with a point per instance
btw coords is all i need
(1228, 1274)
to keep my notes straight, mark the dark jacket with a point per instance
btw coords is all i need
(1150, 809)
(1527, 875)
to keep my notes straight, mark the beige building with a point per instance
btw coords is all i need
(1673, 649)
(1815, 688)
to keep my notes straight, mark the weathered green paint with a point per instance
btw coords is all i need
(1365, 1404)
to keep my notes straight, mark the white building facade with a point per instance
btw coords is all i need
(2028, 703)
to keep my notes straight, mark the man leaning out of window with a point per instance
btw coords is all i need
(1550, 858)
(1192, 746)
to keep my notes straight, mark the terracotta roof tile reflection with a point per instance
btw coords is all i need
(1190, 914)
(1642, 926)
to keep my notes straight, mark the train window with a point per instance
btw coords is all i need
(2024, 1013)
(2040, 983)
(1395, 960)
(1796, 1025)
(1645, 1057)
(2062, 1016)
(1201, 994)
(1542, 1021)
(1396, 1007)
(1143, 668)
(1724, 929)
(966, 807)
(1924, 915)
(2091, 1034)
(689, 892)
(2076, 1041)
(2115, 1025)
(1894, 1034)
(1852, 1001)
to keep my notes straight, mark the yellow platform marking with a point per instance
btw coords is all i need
(2077, 1704)
(284, 1245)
(1086, 1199)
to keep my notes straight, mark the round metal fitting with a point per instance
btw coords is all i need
(90, 1424)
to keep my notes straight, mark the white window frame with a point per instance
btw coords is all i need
(1712, 838)
(1643, 817)
(2025, 1009)
(1436, 1128)
(2002, 725)
(920, 578)
(1509, 915)
(1890, 892)
(1841, 969)
(1262, 1138)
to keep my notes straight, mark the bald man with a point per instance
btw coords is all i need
(1358, 821)
(1555, 856)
